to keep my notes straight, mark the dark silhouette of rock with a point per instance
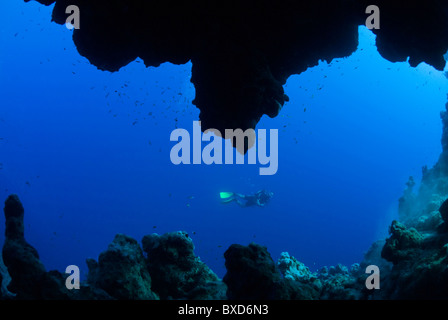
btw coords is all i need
(29, 279)
(244, 51)
(253, 275)
(413, 29)
(444, 211)
(121, 271)
(176, 272)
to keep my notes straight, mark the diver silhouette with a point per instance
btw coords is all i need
(260, 198)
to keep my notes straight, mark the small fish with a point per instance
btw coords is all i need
(190, 197)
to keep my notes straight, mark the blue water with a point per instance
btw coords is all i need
(88, 152)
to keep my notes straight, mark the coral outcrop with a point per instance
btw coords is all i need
(412, 266)
(404, 243)
(292, 269)
(176, 272)
(29, 279)
(121, 271)
(252, 274)
(419, 264)
(340, 283)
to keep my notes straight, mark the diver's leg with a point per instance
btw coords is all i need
(242, 204)
(229, 199)
(240, 199)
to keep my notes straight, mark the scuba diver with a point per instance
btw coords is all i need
(260, 198)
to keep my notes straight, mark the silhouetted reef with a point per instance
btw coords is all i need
(165, 267)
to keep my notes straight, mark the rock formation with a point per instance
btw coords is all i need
(121, 271)
(253, 275)
(176, 272)
(244, 51)
(29, 279)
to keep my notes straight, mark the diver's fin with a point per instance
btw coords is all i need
(226, 195)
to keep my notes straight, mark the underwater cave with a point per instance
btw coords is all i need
(85, 136)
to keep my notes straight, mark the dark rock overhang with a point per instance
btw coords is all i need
(243, 51)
